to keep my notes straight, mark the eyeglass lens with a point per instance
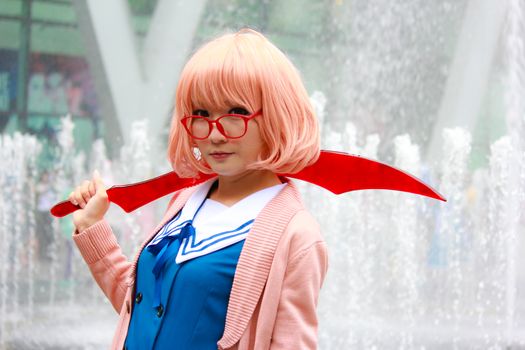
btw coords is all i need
(232, 126)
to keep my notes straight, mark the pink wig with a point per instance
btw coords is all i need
(246, 70)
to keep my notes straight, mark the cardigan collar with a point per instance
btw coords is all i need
(256, 260)
(256, 256)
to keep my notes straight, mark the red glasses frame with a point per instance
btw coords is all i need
(217, 122)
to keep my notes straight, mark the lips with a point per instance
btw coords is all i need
(220, 156)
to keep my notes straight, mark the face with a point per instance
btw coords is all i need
(230, 157)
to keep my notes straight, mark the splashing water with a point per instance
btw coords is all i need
(405, 272)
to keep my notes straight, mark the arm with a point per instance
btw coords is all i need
(296, 322)
(96, 240)
(103, 255)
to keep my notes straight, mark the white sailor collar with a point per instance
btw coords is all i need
(218, 231)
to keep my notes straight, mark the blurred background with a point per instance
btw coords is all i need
(435, 88)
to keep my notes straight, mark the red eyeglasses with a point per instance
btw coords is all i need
(232, 126)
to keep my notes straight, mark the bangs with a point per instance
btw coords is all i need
(219, 77)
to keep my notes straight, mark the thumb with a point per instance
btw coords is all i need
(100, 188)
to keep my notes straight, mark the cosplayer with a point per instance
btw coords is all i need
(237, 262)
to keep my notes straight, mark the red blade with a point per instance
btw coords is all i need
(135, 195)
(341, 172)
(337, 172)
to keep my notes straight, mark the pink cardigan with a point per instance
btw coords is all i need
(276, 285)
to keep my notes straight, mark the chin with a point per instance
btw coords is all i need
(223, 172)
(227, 171)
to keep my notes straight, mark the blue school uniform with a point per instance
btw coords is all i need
(185, 275)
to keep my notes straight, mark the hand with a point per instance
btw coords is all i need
(91, 196)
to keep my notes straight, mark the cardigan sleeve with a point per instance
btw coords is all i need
(108, 265)
(296, 322)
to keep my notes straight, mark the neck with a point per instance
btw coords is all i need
(231, 189)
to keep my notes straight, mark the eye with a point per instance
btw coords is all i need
(238, 110)
(201, 113)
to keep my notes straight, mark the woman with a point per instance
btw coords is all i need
(236, 262)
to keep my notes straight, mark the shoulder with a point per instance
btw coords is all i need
(302, 233)
(301, 229)
(305, 225)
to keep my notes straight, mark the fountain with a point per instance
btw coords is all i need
(405, 272)
(17, 233)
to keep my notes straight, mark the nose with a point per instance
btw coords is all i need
(215, 135)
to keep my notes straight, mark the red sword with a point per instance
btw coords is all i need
(337, 172)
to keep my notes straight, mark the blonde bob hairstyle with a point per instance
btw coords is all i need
(246, 70)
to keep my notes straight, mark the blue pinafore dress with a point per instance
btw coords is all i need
(185, 274)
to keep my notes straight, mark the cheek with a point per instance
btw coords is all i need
(258, 143)
(256, 147)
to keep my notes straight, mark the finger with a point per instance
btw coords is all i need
(91, 188)
(100, 188)
(97, 179)
(84, 191)
(72, 199)
(79, 198)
